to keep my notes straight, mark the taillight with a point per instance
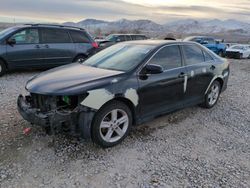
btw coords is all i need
(95, 45)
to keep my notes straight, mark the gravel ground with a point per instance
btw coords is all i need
(193, 147)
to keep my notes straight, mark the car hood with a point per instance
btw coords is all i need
(233, 50)
(70, 80)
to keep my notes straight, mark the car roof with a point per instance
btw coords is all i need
(48, 26)
(158, 42)
(128, 34)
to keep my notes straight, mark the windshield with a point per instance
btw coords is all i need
(239, 47)
(120, 57)
(5, 32)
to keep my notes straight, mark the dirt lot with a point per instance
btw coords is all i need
(193, 147)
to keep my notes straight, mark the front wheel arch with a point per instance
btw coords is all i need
(80, 55)
(127, 102)
(5, 62)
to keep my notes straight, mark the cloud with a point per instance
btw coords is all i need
(76, 10)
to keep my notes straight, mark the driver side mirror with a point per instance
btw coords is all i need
(153, 69)
(11, 41)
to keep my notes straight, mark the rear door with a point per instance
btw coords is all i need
(56, 46)
(200, 68)
(163, 92)
(26, 52)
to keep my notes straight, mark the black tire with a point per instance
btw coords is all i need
(99, 117)
(3, 68)
(221, 54)
(80, 58)
(207, 103)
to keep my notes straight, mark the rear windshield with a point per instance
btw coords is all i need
(120, 57)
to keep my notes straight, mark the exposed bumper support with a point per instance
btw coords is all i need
(76, 122)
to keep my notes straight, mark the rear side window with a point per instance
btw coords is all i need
(128, 37)
(79, 37)
(207, 56)
(133, 37)
(169, 57)
(55, 36)
(193, 54)
(140, 37)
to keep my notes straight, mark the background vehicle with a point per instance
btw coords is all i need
(215, 45)
(124, 85)
(43, 46)
(115, 38)
(238, 51)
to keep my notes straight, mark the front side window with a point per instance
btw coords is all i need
(121, 38)
(169, 57)
(55, 36)
(26, 36)
(120, 57)
(193, 54)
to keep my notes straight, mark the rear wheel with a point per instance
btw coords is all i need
(2, 68)
(111, 124)
(213, 94)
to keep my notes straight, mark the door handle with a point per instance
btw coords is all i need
(37, 46)
(182, 75)
(212, 67)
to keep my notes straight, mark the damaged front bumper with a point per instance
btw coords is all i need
(76, 122)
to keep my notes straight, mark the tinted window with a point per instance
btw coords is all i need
(209, 40)
(193, 54)
(79, 37)
(133, 37)
(128, 37)
(207, 56)
(169, 57)
(121, 37)
(140, 37)
(27, 36)
(55, 36)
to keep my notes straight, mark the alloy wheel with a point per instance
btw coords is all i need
(213, 94)
(114, 125)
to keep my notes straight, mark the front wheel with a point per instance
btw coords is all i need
(80, 59)
(111, 124)
(213, 94)
(2, 68)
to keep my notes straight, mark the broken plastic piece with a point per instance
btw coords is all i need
(26, 131)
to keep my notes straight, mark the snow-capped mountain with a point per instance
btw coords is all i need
(180, 27)
(207, 26)
(122, 25)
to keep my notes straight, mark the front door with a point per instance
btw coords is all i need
(159, 93)
(26, 52)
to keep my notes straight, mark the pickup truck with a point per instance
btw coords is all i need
(211, 43)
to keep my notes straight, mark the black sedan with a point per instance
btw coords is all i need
(122, 86)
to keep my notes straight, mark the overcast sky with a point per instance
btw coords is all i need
(160, 11)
